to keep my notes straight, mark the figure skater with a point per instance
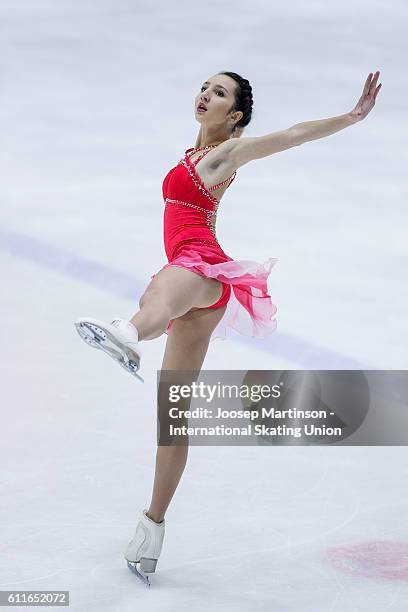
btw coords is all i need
(201, 291)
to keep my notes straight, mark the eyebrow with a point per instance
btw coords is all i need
(216, 85)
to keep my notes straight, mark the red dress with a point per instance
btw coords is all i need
(190, 242)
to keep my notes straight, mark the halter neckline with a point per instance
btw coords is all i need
(200, 148)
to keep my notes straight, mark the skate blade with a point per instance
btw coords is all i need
(130, 366)
(98, 338)
(142, 577)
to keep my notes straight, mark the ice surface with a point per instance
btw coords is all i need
(96, 105)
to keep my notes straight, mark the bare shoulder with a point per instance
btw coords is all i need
(236, 152)
(217, 164)
(248, 149)
(227, 157)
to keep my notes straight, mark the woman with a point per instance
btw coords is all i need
(202, 291)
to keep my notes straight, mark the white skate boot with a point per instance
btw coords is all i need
(119, 339)
(145, 547)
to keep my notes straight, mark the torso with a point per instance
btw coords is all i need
(211, 176)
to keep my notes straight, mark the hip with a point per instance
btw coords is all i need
(208, 245)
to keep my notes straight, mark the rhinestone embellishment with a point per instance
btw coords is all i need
(191, 170)
(198, 240)
(209, 214)
(214, 187)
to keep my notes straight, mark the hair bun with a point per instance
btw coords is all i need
(243, 99)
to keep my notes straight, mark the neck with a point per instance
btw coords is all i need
(208, 137)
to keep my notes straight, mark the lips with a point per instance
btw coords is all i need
(201, 107)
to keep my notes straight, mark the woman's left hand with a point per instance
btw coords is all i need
(368, 97)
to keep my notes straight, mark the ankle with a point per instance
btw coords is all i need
(154, 517)
(136, 330)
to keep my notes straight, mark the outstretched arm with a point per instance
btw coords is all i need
(244, 150)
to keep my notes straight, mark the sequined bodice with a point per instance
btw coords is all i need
(190, 208)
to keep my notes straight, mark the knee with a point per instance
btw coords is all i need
(150, 296)
(142, 300)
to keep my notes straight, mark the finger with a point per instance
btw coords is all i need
(367, 84)
(376, 91)
(374, 81)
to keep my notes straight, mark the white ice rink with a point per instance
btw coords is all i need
(96, 105)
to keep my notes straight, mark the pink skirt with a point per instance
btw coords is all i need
(250, 310)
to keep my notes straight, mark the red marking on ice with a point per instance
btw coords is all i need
(382, 559)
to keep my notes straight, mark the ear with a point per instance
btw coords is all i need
(239, 115)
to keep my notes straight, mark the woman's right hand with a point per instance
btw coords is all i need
(368, 97)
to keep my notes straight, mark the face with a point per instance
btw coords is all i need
(218, 96)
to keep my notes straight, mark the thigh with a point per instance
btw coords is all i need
(186, 348)
(189, 337)
(178, 286)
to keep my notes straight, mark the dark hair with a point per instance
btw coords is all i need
(243, 98)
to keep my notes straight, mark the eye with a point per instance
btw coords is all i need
(218, 92)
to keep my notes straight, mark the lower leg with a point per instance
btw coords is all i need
(170, 464)
(171, 460)
(152, 319)
(156, 311)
